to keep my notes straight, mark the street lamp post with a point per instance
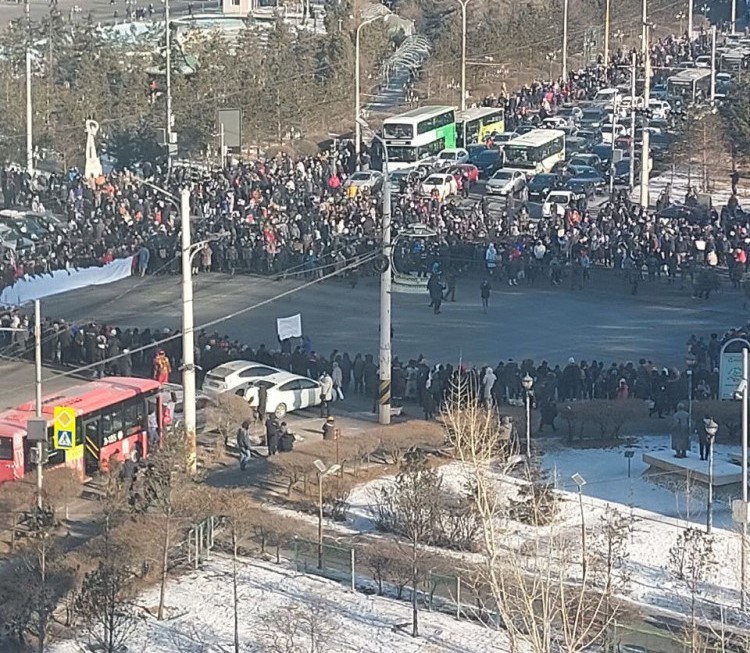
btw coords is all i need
(528, 383)
(580, 482)
(384, 355)
(711, 428)
(690, 361)
(565, 43)
(188, 339)
(323, 471)
(376, 12)
(464, 4)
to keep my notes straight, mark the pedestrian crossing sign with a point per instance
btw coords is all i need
(64, 428)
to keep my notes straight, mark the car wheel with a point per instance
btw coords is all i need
(280, 411)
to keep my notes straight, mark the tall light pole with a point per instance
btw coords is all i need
(606, 34)
(631, 166)
(646, 137)
(168, 64)
(711, 428)
(565, 42)
(373, 13)
(734, 16)
(188, 338)
(38, 398)
(528, 383)
(384, 356)
(580, 482)
(690, 26)
(713, 63)
(323, 471)
(463, 4)
(29, 112)
(745, 397)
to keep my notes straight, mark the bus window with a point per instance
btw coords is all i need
(134, 414)
(399, 131)
(6, 448)
(112, 425)
(55, 456)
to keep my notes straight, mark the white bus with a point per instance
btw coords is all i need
(536, 151)
(418, 134)
(693, 84)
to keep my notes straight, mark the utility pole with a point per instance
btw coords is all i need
(606, 34)
(646, 149)
(188, 347)
(29, 112)
(690, 26)
(713, 62)
(743, 512)
(464, 3)
(384, 358)
(222, 155)
(633, 75)
(565, 42)
(40, 446)
(612, 148)
(168, 63)
(734, 16)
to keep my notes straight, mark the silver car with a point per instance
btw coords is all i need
(506, 182)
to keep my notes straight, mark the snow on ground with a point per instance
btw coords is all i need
(681, 178)
(201, 616)
(656, 505)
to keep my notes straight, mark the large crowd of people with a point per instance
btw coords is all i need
(297, 216)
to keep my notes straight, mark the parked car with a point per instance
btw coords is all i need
(475, 151)
(560, 199)
(570, 112)
(555, 122)
(235, 375)
(451, 156)
(370, 179)
(442, 183)
(541, 185)
(489, 162)
(591, 160)
(581, 188)
(506, 182)
(591, 136)
(593, 118)
(403, 175)
(285, 392)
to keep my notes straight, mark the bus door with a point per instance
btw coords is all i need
(89, 427)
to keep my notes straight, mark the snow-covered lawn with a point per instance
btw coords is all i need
(655, 506)
(201, 617)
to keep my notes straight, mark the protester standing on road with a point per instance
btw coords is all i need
(326, 394)
(484, 291)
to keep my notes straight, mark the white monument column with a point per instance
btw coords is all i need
(93, 164)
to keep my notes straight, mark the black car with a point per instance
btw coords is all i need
(475, 150)
(580, 187)
(575, 145)
(604, 152)
(488, 162)
(591, 136)
(541, 185)
(622, 172)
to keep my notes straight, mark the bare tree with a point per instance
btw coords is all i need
(534, 586)
(226, 416)
(691, 558)
(304, 627)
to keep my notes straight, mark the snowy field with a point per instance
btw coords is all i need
(276, 604)
(656, 506)
(680, 180)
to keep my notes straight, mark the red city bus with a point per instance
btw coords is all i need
(111, 421)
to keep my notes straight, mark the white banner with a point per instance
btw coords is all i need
(289, 327)
(28, 288)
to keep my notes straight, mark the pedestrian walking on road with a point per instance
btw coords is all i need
(484, 291)
(243, 443)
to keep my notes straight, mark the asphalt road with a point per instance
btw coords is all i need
(603, 321)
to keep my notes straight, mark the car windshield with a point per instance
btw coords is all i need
(360, 176)
(434, 179)
(447, 156)
(542, 181)
(489, 155)
(557, 198)
(592, 115)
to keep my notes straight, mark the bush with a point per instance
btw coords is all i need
(601, 418)
(394, 444)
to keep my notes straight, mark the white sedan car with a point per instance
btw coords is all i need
(234, 376)
(451, 156)
(441, 183)
(506, 182)
(285, 392)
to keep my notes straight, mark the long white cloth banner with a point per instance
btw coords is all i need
(289, 327)
(27, 289)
